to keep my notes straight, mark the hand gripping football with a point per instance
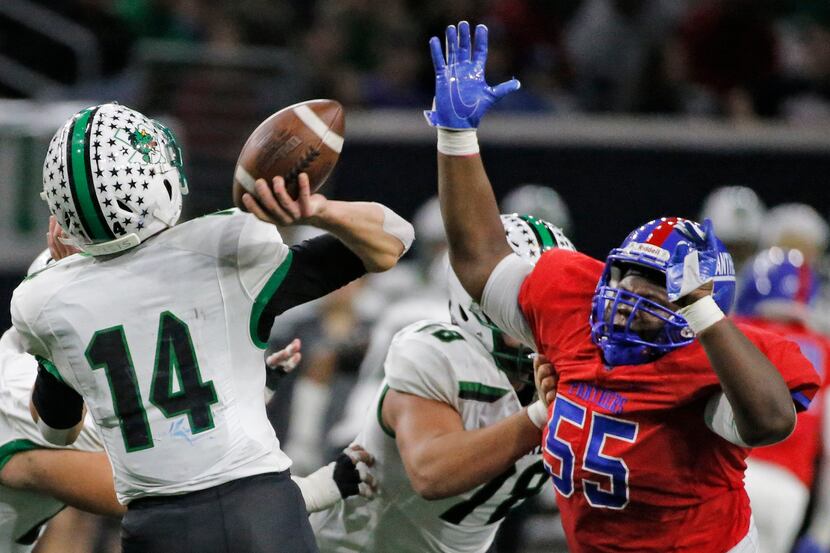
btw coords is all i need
(303, 138)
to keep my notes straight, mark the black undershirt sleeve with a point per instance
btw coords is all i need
(318, 266)
(58, 405)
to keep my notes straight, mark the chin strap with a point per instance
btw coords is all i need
(113, 246)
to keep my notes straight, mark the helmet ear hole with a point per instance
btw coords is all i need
(123, 206)
(169, 188)
(463, 313)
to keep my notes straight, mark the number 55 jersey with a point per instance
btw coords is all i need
(441, 362)
(634, 463)
(164, 342)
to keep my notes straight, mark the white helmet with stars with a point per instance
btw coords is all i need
(529, 238)
(113, 177)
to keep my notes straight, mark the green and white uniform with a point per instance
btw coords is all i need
(442, 362)
(22, 513)
(164, 344)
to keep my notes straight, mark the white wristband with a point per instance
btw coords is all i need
(319, 489)
(398, 227)
(701, 314)
(457, 143)
(537, 412)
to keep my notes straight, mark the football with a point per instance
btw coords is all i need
(303, 138)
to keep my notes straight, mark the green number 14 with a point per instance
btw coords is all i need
(175, 358)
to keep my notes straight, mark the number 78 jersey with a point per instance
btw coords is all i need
(441, 362)
(164, 344)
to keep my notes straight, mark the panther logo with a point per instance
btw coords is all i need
(144, 143)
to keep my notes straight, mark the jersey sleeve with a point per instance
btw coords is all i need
(262, 258)
(799, 374)
(28, 309)
(500, 299)
(418, 367)
(311, 270)
(556, 299)
(28, 339)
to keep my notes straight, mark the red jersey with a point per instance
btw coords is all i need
(799, 452)
(635, 467)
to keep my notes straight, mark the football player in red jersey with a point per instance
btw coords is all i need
(776, 293)
(658, 395)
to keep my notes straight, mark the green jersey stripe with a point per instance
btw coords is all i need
(480, 392)
(542, 233)
(259, 336)
(80, 179)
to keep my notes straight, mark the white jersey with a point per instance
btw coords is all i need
(164, 344)
(442, 362)
(22, 512)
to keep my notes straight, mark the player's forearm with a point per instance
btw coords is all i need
(457, 462)
(759, 397)
(471, 218)
(78, 478)
(375, 234)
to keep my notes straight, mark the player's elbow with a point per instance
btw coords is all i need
(771, 429)
(429, 484)
(431, 489)
(383, 261)
(18, 472)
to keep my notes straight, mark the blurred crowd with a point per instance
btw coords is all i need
(737, 59)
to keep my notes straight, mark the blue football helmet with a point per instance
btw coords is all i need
(777, 282)
(650, 246)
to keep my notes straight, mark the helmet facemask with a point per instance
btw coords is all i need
(649, 247)
(622, 344)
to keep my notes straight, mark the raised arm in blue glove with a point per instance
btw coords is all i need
(462, 95)
(695, 264)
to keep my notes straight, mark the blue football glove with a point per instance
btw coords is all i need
(462, 96)
(806, 544)
(693, 263)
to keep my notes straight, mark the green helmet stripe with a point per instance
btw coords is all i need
(79, 171)
(542, 233)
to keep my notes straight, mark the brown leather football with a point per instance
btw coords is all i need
(303, 138)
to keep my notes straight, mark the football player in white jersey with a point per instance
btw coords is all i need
(159, 330)
(37, 479)
(455, 447)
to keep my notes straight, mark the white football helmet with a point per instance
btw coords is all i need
(797, 226)
(540, 201)
(529, 237)
(736, 213)
(113, 177)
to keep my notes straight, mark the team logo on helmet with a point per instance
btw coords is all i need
(144, 143)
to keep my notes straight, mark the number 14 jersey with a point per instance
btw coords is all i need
(441, 362)
(164, 344)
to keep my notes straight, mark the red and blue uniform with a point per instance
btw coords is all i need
(799, 452)
(634, 464)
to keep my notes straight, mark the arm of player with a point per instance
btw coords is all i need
(346, 476)
(57, 409)
(462, 96)
(376, 234)
(80, 479)
(760, 402)
(441, 458)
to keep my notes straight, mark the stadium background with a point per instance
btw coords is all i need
(630, 109)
